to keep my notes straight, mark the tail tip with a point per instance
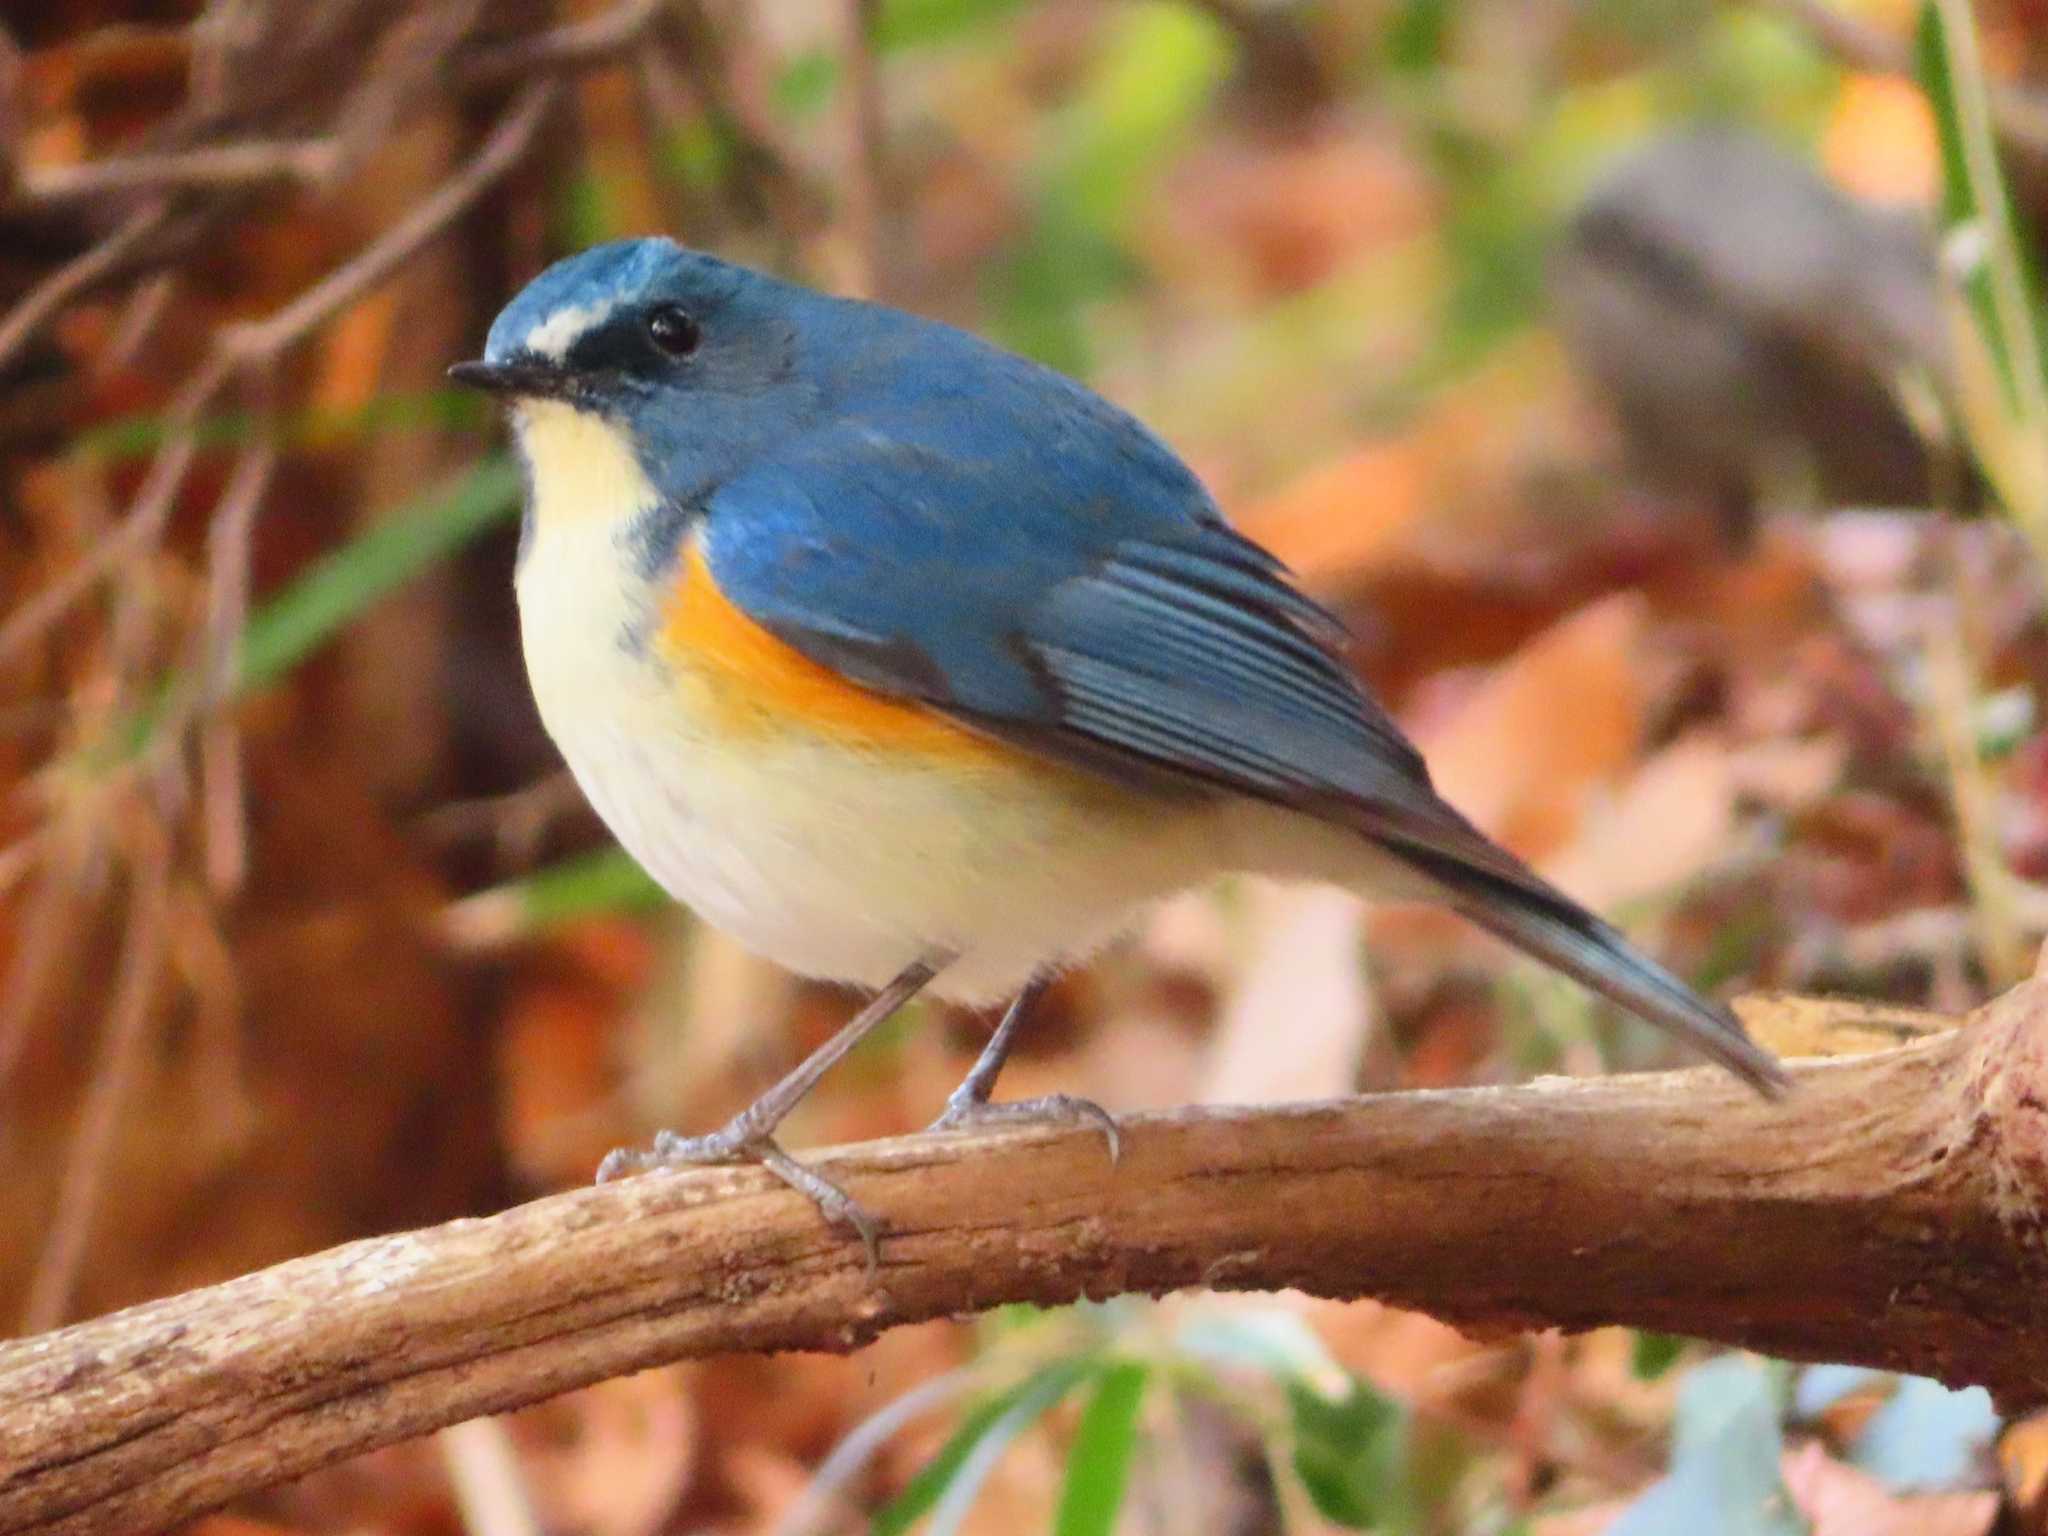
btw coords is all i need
(1732, 1046)
(1769, 1078)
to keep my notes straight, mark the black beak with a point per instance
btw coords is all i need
(522, 378)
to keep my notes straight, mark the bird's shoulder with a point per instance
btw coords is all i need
(942, 496)
(924, 398)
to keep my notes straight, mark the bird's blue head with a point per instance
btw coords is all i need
(691, 365)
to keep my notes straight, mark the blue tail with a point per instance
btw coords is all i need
(1517, 905)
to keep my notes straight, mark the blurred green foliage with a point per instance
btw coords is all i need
(1099, 1465)
(946, 1487)
(1157, 69)
(1352, 1455)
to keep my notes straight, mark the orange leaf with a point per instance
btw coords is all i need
(1346, 518)
(352, 356)
(1563, 715)
(1880, 144)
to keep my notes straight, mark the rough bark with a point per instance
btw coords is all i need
(1890, 1212)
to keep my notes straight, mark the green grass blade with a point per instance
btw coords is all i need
(605, 882)
(1099, 1465)
(338, 587)
(1974, 189)
(1999, 384)
(1352, 1455)
(930, 23)
(950, 1479)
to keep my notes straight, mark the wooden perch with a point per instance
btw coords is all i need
(1891, 1213)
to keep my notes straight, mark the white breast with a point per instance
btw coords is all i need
(831, 860)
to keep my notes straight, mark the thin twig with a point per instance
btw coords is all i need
(41, 940)
(210, 679)
(77, 277)
(401, 76)
(516, 822)
(262, 341)
(259, 344)
(139, 528)
(224, 828)
(113, 1085)
(144, 309)
(575, 46)
(215, 172)
(490, 1490)
(1952, 706)
(205, 969)
(17, 860)
(206, 167)
(230, 543)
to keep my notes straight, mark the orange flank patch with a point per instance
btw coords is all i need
(757, 682)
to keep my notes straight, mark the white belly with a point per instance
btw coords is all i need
(833, 860)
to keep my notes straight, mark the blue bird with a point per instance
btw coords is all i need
(911, 663)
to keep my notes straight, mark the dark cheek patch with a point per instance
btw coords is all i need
(616, 346)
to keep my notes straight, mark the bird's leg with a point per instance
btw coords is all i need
(968, 1107)
(749, 1135)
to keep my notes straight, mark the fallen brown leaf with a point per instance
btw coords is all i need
(1520, 754)
(1295, 1018)
(614, 1459)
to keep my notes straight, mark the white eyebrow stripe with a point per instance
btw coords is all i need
(554, 336)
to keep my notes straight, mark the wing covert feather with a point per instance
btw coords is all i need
(1142, 637)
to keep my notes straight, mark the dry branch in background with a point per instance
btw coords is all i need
(285, 108)
(1890, 1213)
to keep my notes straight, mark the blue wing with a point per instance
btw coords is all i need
(1071, 589)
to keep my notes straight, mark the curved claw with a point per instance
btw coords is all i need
(618, 1163)
(964, 1114)
(731, 1145)
(833, 1203)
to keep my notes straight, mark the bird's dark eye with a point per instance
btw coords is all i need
(672, 330)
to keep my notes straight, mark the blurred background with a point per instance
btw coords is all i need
(1654, 384)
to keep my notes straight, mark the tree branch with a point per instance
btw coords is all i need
(1891, 1212)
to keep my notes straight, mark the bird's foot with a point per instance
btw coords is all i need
(965, 1112)
(739, 1142)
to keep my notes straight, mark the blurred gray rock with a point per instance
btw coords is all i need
(1749, 324)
